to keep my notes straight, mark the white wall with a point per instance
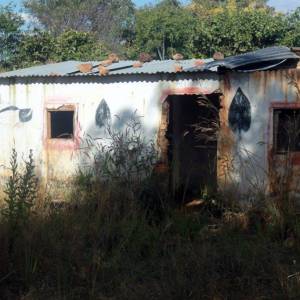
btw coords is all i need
(252, 150)
(58, 159)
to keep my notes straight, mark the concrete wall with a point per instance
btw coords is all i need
(57, 159)
(247, 157)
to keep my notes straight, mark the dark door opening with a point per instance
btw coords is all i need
(192, 135)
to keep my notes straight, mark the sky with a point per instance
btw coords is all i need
(282, 5)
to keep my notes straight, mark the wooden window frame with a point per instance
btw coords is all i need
(295, 155)
(63, 109)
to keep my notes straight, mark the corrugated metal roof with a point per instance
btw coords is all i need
(263, 59)
(70, 68)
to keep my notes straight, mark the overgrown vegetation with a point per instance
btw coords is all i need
(20, 190)
(111, 240)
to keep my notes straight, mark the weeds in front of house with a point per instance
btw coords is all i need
(20, 190)
(121, 238)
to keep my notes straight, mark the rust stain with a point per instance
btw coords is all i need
(178, 68)
(283, 169)
(191, 90)
(162, 141)
(113, 57)
(58, 100)
(137, 64)
(57, 152)
(226, 139)
(199, 62)
(106, 62)
(85, 68)
(103, 70)
(288, 105)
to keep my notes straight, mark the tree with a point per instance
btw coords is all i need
(107, 19)
(76, 45)
(34, 48)
(210, 4)
(40, 47)
(165, 29)
(234, 32)
(10, 30)
(292, 36)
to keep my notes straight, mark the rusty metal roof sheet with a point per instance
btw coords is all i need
(263, 59)
(70, 68)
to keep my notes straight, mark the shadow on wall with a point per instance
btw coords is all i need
(104, 126)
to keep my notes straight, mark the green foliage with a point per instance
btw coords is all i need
(107, 19)
(41, 47)
(210, 4)
(202, 30)
(125, 155)
(234, 32)
(21, 190)
(165, 29)
(85, 30)
(75, 45)
(10, 28)
(34, 48)
(292, 34)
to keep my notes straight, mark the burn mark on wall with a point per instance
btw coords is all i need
(103, 116)
(25, 114)
(240, 112)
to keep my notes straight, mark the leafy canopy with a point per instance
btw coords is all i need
(107, 19)
(164, 29)
(10, 29)
(89, 29)
(238, 31)
(42, 47)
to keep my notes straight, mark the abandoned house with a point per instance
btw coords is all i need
(215, 122)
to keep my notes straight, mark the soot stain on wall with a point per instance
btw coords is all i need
(25, 114)
(240, 112)
(103, 116)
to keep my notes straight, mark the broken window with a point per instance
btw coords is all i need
(286, 130)
(61, 124)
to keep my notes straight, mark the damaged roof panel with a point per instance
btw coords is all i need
(263, 59)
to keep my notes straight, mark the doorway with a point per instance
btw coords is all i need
(192, 151)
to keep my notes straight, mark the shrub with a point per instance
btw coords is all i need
(20, 190)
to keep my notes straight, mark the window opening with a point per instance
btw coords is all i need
(61, 124)
(286, 124)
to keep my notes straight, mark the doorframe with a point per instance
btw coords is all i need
(162, 140)
(164, 165)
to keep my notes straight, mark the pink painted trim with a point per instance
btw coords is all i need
(287, 105)
(295, 156)
(184, 91)
(62, 144)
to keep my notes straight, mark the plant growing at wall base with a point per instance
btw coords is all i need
(20, 190)
(124, 155)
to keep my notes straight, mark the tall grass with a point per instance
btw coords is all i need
(120, 239)
(105, 247)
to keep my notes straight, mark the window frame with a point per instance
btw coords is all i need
(275, 106)
(63, 109)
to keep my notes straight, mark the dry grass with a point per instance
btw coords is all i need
(121, 238)
(107, 244)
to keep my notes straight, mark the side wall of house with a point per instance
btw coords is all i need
(246, 150)
(25, 125)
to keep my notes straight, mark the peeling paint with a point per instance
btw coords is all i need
(59, 158)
